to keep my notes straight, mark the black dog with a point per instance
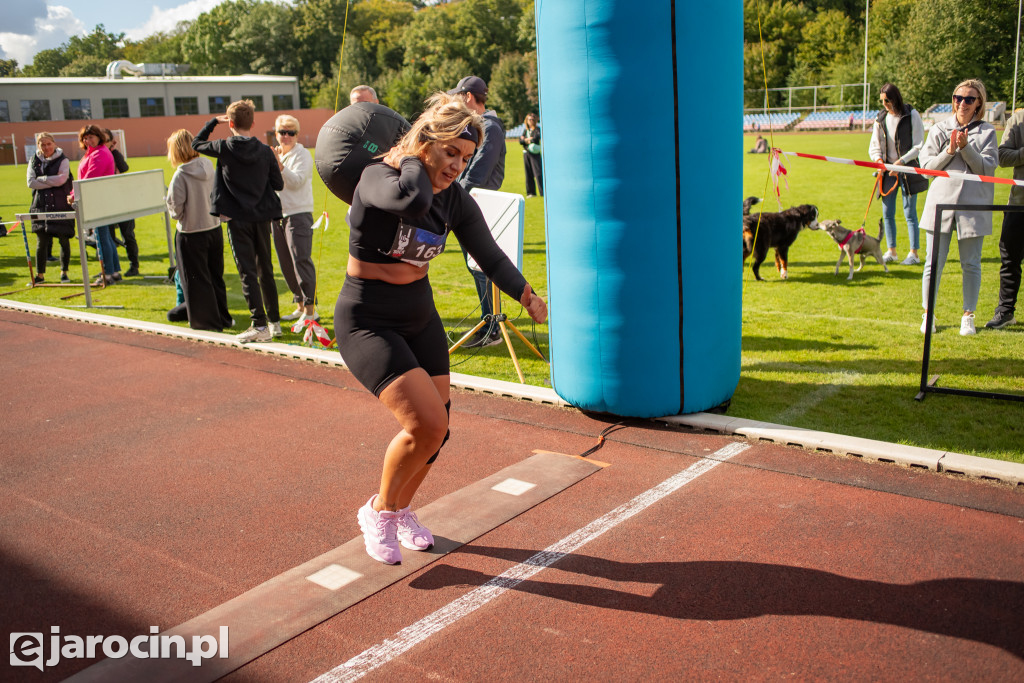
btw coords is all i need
(749, 202)
(777, 231)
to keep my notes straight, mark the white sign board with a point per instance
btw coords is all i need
(503, 212)
(115, 198)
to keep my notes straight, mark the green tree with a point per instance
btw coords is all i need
(9, 68)
(404, 91)
(158, 48)
(85, 65)
(781, 25)
(937, 52)
(208, 45)
(827, 39)
(100, 44)
(887, 37)
(513, 87)
(264, 40)
(477, 31)
(47, 63)
(319, 26)
(378, 25)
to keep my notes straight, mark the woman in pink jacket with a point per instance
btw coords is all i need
(98, 162)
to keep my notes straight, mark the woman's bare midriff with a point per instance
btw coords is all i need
(393, 273)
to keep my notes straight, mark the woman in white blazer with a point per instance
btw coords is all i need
(963, 143)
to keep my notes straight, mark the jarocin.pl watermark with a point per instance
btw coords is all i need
(27, 648)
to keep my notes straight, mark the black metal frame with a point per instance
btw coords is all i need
(930, 386)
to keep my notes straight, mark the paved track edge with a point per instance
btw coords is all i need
(879, 451)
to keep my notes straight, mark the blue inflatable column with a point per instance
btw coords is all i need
(641, 108)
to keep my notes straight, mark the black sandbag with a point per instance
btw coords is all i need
(351, 139)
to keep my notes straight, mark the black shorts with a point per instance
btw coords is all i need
(385, 330)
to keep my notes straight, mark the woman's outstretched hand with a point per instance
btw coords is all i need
(534, 305)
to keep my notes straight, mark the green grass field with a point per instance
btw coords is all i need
(818, 352)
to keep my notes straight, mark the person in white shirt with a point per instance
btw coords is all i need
(897, 138)
(293, 232)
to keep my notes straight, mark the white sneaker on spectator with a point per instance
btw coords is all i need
(254, 334)
(911, 260)
(924, 323)
(294, 315)
(967, 325)
(275, 330)
(889, 257)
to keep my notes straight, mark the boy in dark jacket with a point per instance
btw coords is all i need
(244, 193)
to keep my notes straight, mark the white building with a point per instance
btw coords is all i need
(61, 99)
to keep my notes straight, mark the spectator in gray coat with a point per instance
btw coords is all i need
(966, 144)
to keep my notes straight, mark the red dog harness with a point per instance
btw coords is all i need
(847, 239)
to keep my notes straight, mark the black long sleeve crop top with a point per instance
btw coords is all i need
(396, 217)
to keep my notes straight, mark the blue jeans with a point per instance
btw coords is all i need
(483, 288)
(970, 265)
(889, 218)
(107, 249)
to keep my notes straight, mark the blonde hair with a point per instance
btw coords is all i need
(179, 147)
(286, 120)
(445, 118)
(44, 136)
(242, 113)
(982, 95)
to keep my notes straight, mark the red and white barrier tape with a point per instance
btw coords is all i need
(325, 219)
(777, 171)
(313, 329)
(911, 169)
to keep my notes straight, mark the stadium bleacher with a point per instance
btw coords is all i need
(836, 120)
(778, 122)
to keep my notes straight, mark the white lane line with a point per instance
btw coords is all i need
(834, 382)
(413, 635)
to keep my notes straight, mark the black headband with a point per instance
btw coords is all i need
(469, 133)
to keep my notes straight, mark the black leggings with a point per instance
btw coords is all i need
(385, 330)
(43, 246)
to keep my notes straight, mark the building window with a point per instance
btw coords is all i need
(282, 102)
(116, 108)
(219, 104)
(35, 110)
(5, 114)
(151, 106)
(186, 105)
(257, 101)
(77, 109)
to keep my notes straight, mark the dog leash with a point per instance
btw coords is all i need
(871, 198)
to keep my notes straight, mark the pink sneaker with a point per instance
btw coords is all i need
(380, 533)
(411, 533)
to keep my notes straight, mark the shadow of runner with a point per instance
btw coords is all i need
(984, 610)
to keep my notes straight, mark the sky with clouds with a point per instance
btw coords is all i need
(33, 25)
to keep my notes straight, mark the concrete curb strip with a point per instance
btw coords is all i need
(869, 449)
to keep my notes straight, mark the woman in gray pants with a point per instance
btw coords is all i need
(293, 233)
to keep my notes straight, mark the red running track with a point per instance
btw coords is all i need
(146, 480)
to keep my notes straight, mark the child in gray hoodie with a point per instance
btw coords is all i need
(199, 241)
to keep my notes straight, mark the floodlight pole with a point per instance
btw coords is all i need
(864, 102)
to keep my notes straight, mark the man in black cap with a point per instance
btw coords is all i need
(485, 170)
